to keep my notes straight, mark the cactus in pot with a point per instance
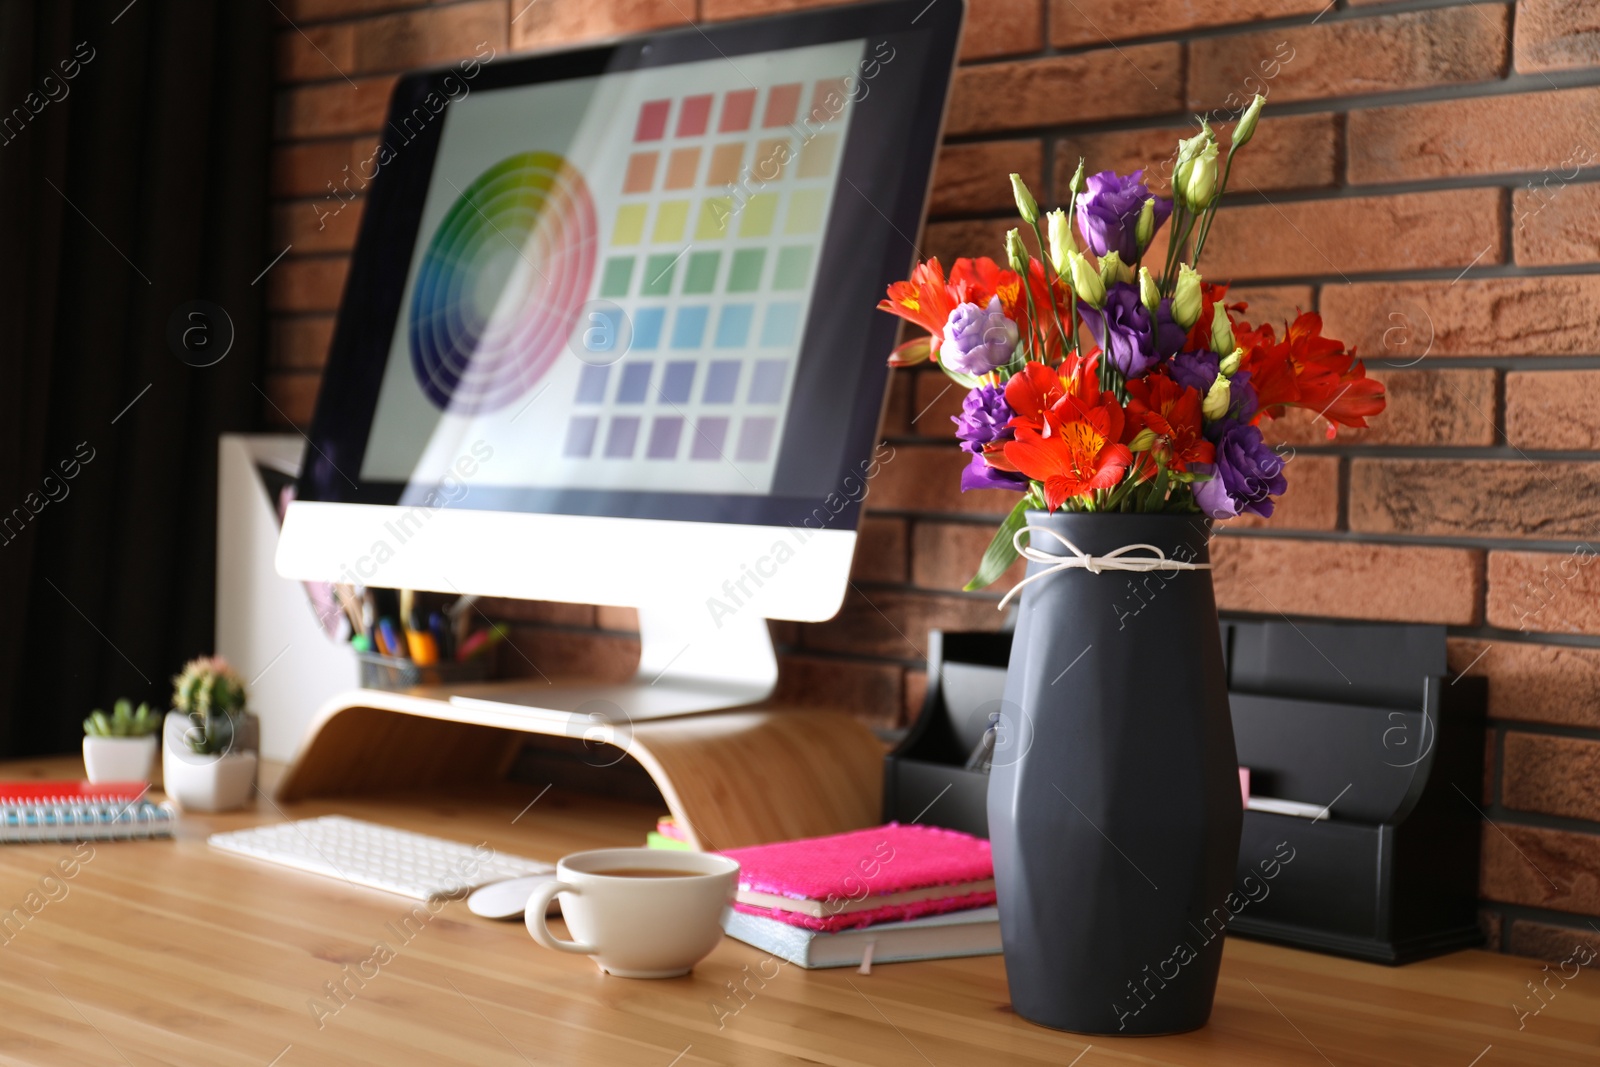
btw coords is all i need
(212, 696)
(120, 747)
(123, 721)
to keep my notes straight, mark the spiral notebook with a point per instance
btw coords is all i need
(81, 811)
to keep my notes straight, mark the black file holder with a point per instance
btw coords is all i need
(925, 779)
(1359, 718)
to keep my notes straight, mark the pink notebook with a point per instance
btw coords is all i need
(883, 874)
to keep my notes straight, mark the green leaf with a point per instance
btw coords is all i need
(966, 381)
(1002, 551)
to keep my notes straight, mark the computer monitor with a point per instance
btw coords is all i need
(609, 334)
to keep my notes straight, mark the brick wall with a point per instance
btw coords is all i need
(1425, 179)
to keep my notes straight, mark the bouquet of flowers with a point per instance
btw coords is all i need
(1161, 413)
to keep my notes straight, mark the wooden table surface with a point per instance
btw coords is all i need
(168, 952)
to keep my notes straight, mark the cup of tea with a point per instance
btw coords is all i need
(638, 912)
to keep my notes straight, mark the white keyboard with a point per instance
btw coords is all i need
(379, 857)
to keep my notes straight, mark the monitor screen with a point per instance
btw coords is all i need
(637, 281)
(612, 273)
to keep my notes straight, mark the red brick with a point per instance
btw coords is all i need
(317, 226)
(1534, 683)
(949, 241)
(1348, 580)
(544, 23)
(1553, 222)
(1071, 24)
(557, 655)
(916, 693)
(1312, 502)
(1277, 304)
(1551, 592)
(938, 400)
(1553, 410)
(1475, 498)
(870, 691)
(1557, 35)
(315, 53)
(313, 284)
(1410, 231)
(1540, 868)
(894, 625)
(896, 418)
(302, 11)
(307, 169)
(1298, 152)
(1424, 407)
(976, 177)
(1510, 134)
(300, 342)
(1002, 28)
(1384, 53)
(1551, 775)
(1546, 941)
(436, 36)
(944, 555)
(928, 479)
(880, 551)
(505, 609)
(622, 620)
(329, 109)
(1138, 80)
(291, 397)
(1550, 316)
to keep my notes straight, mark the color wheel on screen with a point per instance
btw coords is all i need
(502, 283)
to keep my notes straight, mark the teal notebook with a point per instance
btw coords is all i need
(974, 932)
(85, 821)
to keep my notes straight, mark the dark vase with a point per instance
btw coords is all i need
(1114, 804)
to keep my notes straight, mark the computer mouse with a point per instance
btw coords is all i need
(508, 899)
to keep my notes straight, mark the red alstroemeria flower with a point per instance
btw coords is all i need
(1076, 456)
(1310, 371)
(1067, 391)
(1171, 412)
(928, 298)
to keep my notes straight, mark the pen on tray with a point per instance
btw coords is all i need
(480, 642)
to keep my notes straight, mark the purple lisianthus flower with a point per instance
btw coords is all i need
(1121, 327)
(983, 419)
(1170, 337)
(1108, 213)
(1195, 369)
(977, 340)
(1246, 475)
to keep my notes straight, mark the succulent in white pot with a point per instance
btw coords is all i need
(120, 747)
(209, 753)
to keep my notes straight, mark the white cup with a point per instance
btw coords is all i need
(638, 927)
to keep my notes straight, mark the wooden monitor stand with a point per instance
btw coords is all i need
(729, 778)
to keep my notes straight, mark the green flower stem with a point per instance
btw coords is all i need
(1211, 213)
(1044, 266)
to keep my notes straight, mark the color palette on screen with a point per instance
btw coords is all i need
(712, 250)
(501, 285)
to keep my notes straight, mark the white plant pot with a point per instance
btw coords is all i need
(205, 783)
(119, 759)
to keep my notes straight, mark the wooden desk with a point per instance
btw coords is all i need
(167, 952)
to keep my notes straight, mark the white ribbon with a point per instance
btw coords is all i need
(1118, 560)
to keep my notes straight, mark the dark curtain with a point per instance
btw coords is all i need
(133, 173)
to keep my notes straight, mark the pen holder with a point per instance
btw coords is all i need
(396, 672)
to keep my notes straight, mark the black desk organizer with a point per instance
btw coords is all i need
(1359, 717)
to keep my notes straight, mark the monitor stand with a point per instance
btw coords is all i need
(730, 773)
(685, 668)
